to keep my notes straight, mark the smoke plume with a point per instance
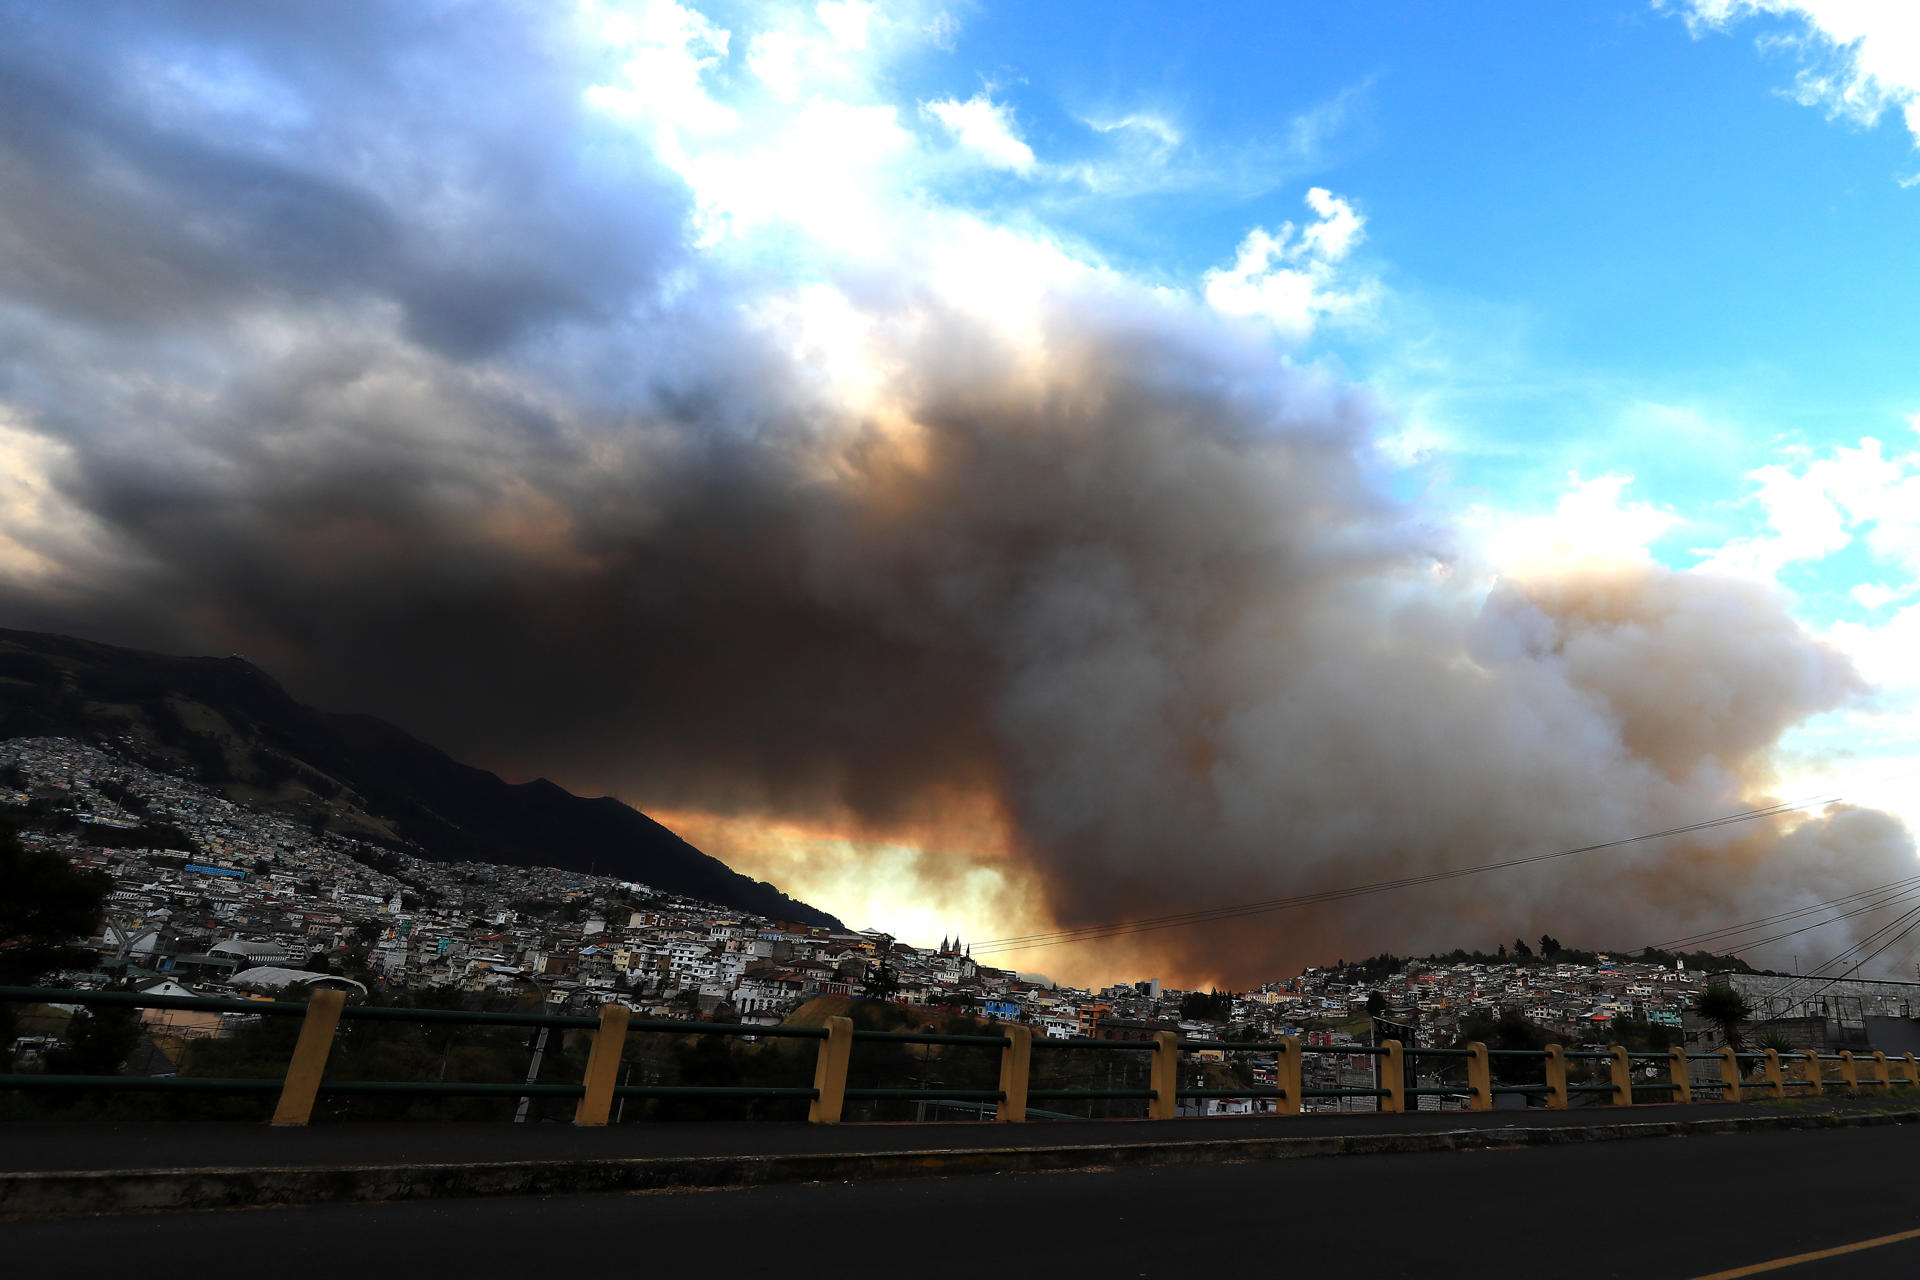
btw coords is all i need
(445, 406)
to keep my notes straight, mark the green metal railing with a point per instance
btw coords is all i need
(304, 1079)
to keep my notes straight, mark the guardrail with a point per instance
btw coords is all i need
(304, 1082)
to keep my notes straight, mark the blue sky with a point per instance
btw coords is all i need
(1669, 243)
(1576, 212)
(1605, 238)
(1103, 431)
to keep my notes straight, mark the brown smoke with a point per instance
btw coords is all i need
(1101, 596)
(1144, 600)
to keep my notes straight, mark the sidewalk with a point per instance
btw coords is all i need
(57, 1169)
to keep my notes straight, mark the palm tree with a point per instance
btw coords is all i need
(1726, 1009)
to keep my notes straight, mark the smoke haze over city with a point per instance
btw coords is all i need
(754, 415)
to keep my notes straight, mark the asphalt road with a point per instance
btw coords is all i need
(137, 1145)
(1685, 1208)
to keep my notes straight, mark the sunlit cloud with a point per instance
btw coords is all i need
(1593, 525)
(1859, 59)
(1290, 277)
(985, 128)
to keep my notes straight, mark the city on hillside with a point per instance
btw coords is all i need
(214, 898)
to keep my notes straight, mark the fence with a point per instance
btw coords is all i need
(304, 1081)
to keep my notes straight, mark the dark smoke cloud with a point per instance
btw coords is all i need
(419, 396)
(170, 165)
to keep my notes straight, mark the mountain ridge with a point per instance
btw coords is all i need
(233, 726)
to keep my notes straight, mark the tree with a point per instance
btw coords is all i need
(98, 1043)
(1210, 1006)
(882, 983)
(1521, 949)
(1549, 946)
(1641, 1036)
(1509, 1030)
(47, 905)
(1726, 1009)
(1376, 1003)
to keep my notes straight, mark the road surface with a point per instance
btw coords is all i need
(1683, 1208)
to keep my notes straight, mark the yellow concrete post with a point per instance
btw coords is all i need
(1729, 1074)
(830, 1072)
(1556, 1077)
(1393, 1076)
(1016, 1059)
(1816, 1074)
(1682, 1078)
(1849, 1072)
(309, 1061)
(1913, 1068)
(1166, 1076)
(1287, 1075)
(1882, 1075)
(1776, 1081)
(1620, 1075)
(603, 1065)
(1479, 1078)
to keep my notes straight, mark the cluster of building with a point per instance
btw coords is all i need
(259, 903)
(1574, 1002)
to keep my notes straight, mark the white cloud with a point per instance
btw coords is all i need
(1814, 507)
(1290, 276)
(1160, 129)
(985, 128)
(1824, 505)
(847, 21)
(826, 52)
(806, 142)
(1869, 754)
(43, 533)
(1592, 524)
(1878, 595)
(1884, 654)
(1860, 59)
(667, 51)
(1804, 520)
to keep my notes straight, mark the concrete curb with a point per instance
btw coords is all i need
(65, 1194)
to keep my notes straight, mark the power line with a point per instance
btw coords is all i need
(1912, 914)
(1911, 918)
(1898, 897)
(1232, 911)
(1903, 933)
(1905, 924)
(1848, 915)
(1726, 931)
(1236, 910)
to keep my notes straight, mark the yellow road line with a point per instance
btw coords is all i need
(1815, 1256)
